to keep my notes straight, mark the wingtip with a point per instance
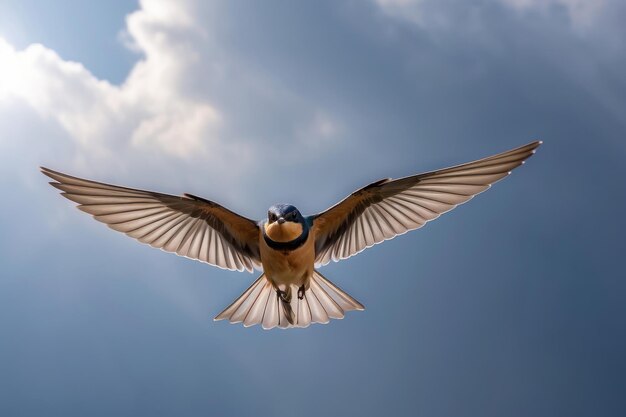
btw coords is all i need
(47, 172)
(536, 146)
(532, 146)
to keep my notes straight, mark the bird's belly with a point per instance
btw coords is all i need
(284, 268)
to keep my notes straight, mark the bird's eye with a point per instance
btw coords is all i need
(271, 217)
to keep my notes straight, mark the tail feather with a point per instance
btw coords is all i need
(343, 300)
(259, 304)
(237, 311)
(257, 307)
(328, 304)
(272, 314)
(318, 312)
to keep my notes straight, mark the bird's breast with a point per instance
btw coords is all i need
(288, 266)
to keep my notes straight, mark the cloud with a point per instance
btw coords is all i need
(209, 106)
(147, 112)
(252, 105)
(175, 107)
(550, 49)
(581, 13)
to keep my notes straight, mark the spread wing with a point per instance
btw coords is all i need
(188, 226)
(387, 208)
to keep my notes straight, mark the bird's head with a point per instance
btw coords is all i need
(284, 223)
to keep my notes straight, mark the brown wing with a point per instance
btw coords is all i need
(387, 208)
(188, 226)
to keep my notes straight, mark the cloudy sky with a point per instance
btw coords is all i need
(510, 305)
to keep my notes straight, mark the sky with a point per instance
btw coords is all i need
(512, 304)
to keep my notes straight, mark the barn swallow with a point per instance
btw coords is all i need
(287, 246)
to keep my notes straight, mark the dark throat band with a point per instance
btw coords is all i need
(287, 246)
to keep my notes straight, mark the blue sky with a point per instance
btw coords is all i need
(510, 305)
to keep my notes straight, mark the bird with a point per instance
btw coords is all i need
(287, 247)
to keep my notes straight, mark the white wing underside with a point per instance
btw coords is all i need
(420, 199)
(150, 218)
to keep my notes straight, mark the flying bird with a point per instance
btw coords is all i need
(287, 246)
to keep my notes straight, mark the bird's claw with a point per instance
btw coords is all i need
(283, 296)
(301, 291)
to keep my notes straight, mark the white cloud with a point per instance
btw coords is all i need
(147, 111)
(170, 109)
(178, 131)
(58, 90)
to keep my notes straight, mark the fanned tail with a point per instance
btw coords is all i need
(260, 304)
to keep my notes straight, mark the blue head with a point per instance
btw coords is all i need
(285, 224)
(282, 213)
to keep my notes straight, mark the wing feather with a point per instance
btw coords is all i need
(188, 226)
(387, 208)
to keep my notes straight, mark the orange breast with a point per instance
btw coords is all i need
(288, 267)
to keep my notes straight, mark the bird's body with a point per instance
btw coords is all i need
(287, 246)
(288, 267)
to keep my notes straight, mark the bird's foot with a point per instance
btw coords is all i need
(284, 296)
(301, 292)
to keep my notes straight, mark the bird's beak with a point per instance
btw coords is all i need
(281, 220)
